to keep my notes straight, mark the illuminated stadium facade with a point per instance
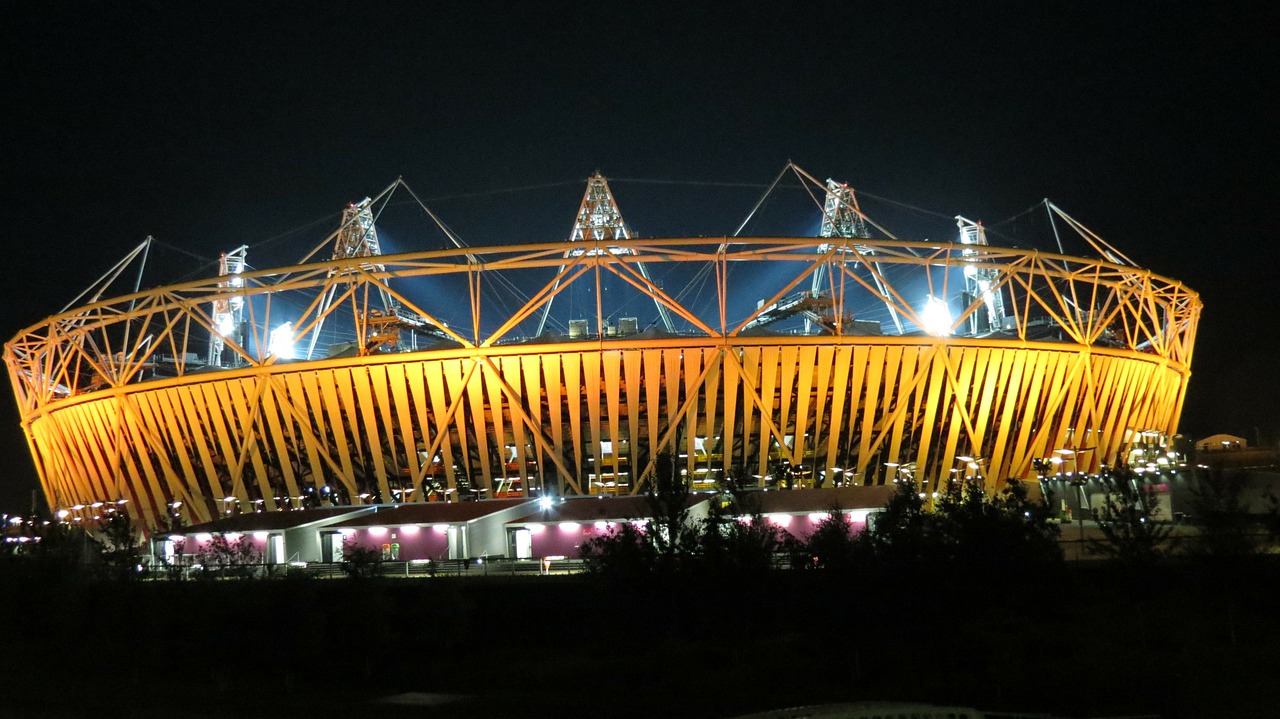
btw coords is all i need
(566, 368)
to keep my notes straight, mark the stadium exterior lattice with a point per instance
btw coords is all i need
(332, 383)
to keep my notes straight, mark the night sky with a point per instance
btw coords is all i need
(213, 127)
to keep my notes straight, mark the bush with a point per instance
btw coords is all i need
(1129, 518)
(360, 561)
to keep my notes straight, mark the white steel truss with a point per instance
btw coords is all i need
(600, 220)
(842, 218)
(981, 282)
(228, 310)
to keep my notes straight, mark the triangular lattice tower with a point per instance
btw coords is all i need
(841, 217)
(599, 219)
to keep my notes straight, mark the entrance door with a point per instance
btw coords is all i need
(522, 543)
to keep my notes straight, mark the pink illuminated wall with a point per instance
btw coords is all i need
(416, 542)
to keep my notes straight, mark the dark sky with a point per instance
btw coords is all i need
(215, 126)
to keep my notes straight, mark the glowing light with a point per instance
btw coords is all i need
(204, 537)
(409, 529)
(536, 528)
(936, 317)
(261, 536)
(816, 517)
(570, 526)
(781, 520)
(545, 503)
(377, 531)
(281, 344)
(441, 528)
(232, 536)
(601, 526)
(347, 532)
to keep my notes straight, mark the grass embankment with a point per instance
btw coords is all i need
(1185, 640)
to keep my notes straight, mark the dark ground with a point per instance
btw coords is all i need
(1179, 641)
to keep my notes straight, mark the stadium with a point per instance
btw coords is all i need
(517, 371)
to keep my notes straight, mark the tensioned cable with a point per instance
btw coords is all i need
(861, 193)
(904, 205)
(1006, 221)
(500, 279)
(490, 193)
(703, 183)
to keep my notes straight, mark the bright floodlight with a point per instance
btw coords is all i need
(282, 341)
(936, 317)
(544, 503)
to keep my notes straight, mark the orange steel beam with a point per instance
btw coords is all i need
(179, 438)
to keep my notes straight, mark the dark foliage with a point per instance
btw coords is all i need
(976, 530)
(967, 530)
(731, 541)
(625, 551)
(832, 544)
(233, 558)
(1129, 517)
(121, 546)
(1227, 530)
(672, 542)
(360, 561)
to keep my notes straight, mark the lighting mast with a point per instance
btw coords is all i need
(358, 238)
(600, 219)
(981, 282)
(841, 217)
(228, 311)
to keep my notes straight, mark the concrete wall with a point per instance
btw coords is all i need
(487, 536)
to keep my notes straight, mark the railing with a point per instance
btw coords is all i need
(479, 567)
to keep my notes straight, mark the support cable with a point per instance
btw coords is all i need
(1048, 208)
(760, 202)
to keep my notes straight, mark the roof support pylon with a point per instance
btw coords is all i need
(228, 311)
(841, 217)
(981, 282)
(599, 219)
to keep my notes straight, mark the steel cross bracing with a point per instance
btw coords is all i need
(599, 219)
(1143, 310)
(841, 217)
(1093, 347)
(228, 311)
(357, 238)
(981, 283)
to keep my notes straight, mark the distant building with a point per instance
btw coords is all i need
(1219, 442)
